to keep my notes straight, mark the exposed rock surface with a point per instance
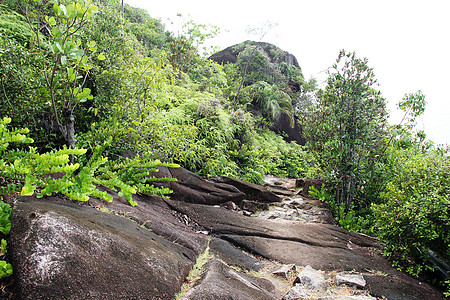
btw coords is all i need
(252, 191)
(310, 278)
(66, 251)
(347, 298)
(155, 215)
(190, 187)
(71, 250)
(234, 256)
(322, 246)
(356, 280)
(275, 56)
(283, 125)
(223, 282)
(296, 292)
(285, 271)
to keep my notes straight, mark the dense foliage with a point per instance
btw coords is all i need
(389, 182)
(346, 127)
(148, 90)
(414, 217)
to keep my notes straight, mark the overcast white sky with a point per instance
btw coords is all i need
(406, 41)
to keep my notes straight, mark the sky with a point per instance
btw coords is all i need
(406, 42)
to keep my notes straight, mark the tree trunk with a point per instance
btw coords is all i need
(68, 128)
(123, 15)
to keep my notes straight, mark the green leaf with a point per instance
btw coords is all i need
(93, 8)
(29, 186)
(57, 47)
(5, 269)
(55, 32)
(56, 8)
(71, 74)
(75, 91)
(51, 21)
(101, 56)
(70, 9)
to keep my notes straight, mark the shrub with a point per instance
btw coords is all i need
(77, 183)
(414, 220)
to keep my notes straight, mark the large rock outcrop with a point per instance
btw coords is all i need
(97, 250)
(275, 54)
(62, 250)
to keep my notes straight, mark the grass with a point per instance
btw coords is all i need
(196, 273)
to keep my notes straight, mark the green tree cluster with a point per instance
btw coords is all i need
(85, 72)
(347, 126)
(387, 181)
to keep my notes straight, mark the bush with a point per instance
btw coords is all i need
(414, 220)
(356, 221)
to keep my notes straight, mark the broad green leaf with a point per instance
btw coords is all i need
(51, 21)
(71, 74)
(75, 91)
(29, 186)
(55, 32)
(56, 9)
(101, 56)
(70, 10)
(58, 46)
(93, 8)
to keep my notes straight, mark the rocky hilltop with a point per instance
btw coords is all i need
(275, 56)
(217, 238)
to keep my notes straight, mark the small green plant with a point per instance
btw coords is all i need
(324, 196)
(11, 188)
(350, 220)
(3, 250)
(5, 218)
(5, 269)
(5, 227)
(353, 221)
(195, 273)
(413, 220)
(37, 171)
(447, 284)
(70, 60)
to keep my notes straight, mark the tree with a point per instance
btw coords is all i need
(67, 62)
(272, 101)
(346, 127)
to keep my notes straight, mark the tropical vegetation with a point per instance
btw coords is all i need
(82, 82)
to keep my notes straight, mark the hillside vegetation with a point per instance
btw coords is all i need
(85, 83)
